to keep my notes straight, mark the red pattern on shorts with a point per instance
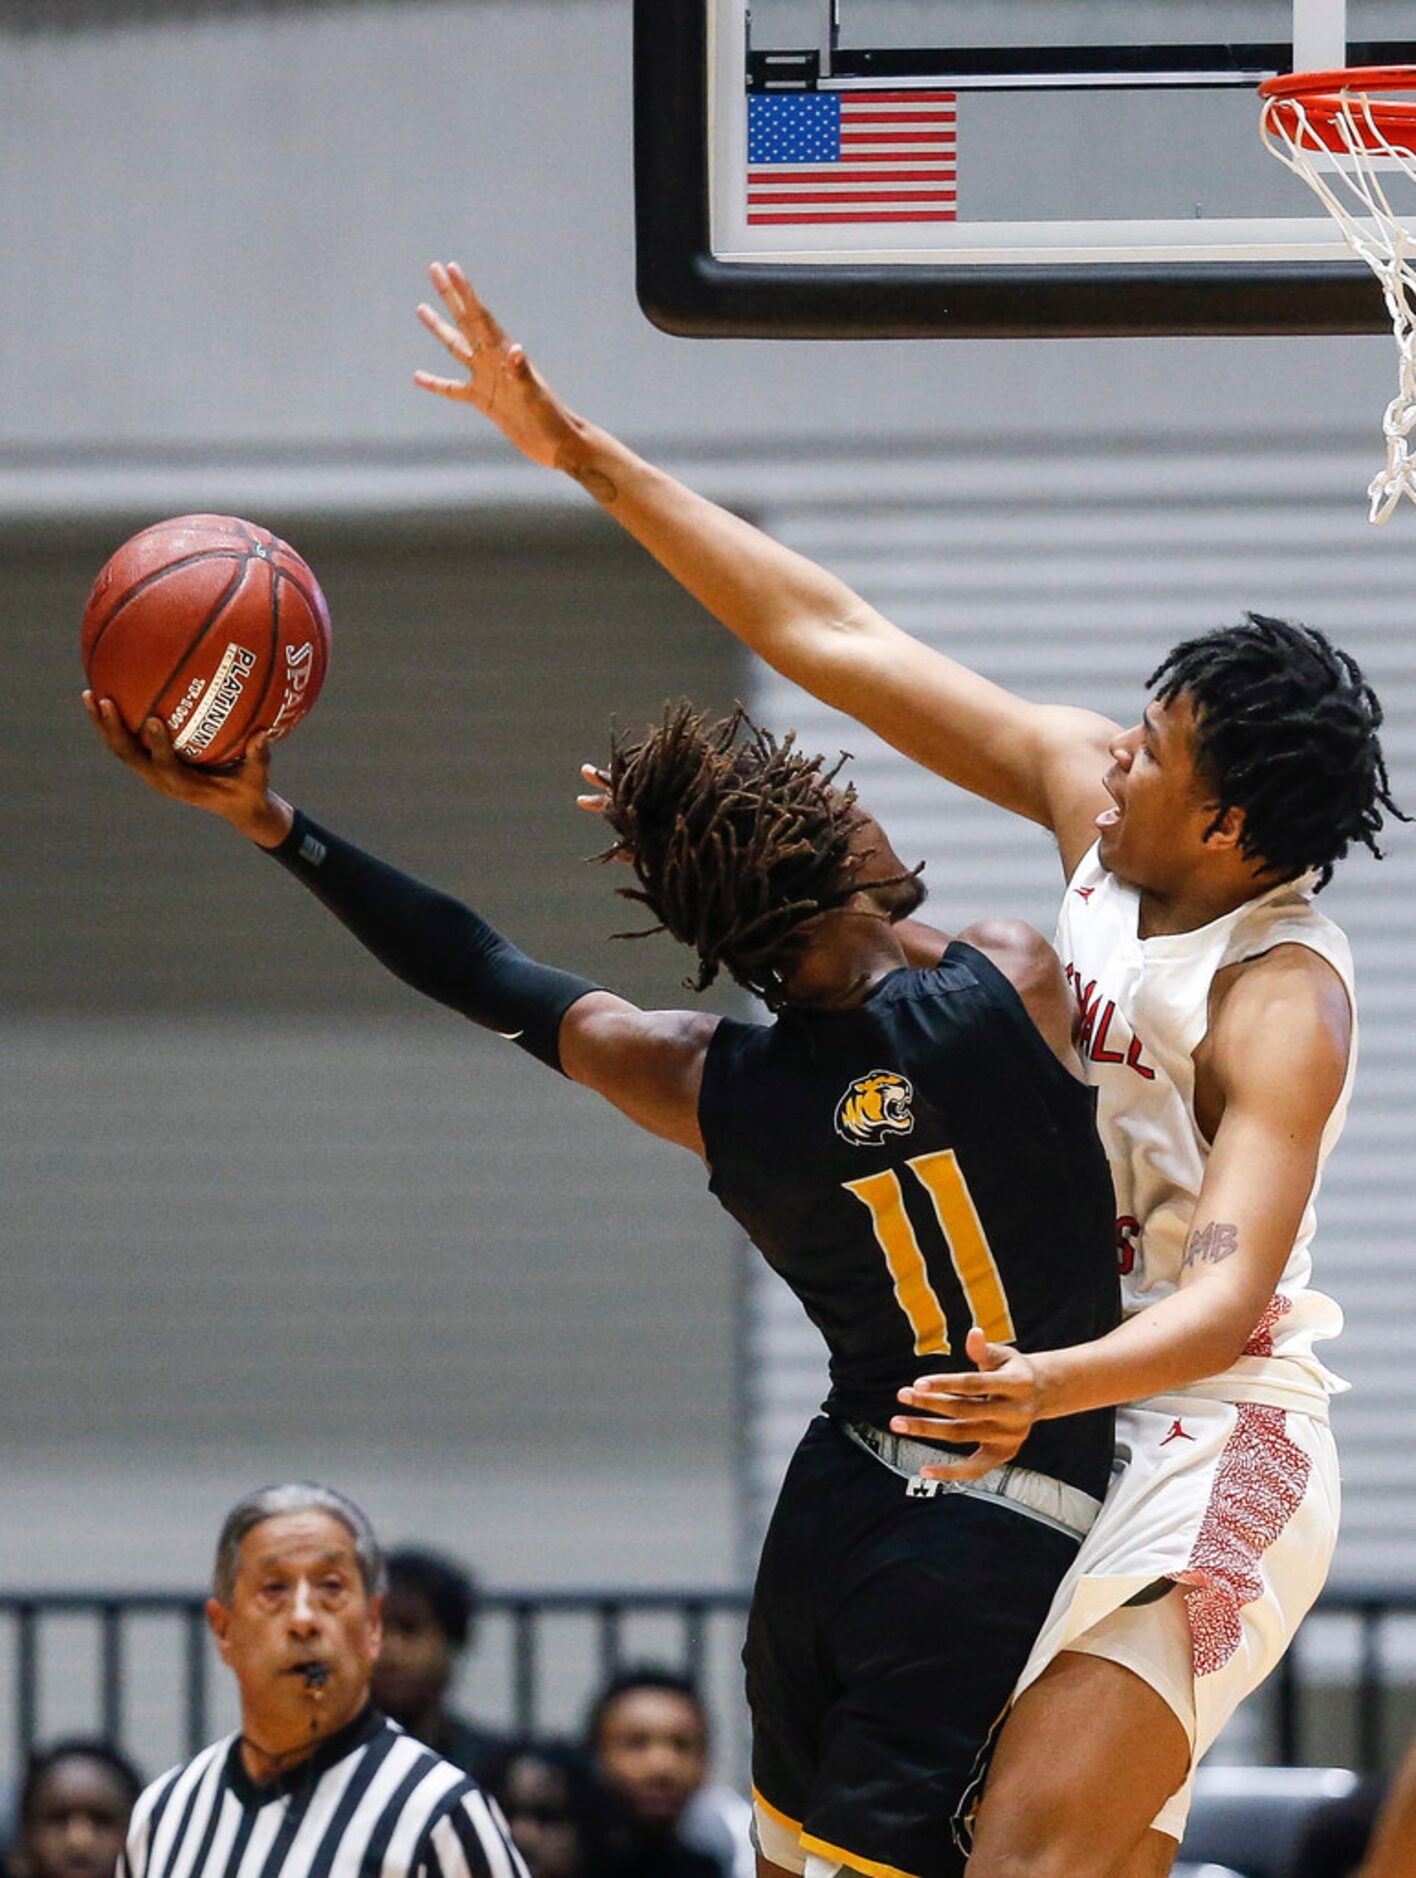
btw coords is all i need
(1258, 1486)
(1261, 1343)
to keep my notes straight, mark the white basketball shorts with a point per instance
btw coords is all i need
(1235, 1503)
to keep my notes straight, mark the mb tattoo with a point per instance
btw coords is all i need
(1209, 1244)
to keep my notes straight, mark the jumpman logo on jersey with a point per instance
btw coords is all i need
(1084, 893)
(1177, 1433)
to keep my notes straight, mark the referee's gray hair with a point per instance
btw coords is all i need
(295, 1496)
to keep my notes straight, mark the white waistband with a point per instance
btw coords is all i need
(1276, 1381)
(1036, 1495)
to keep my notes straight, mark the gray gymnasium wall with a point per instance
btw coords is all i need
(265, 1212)
(213, 225)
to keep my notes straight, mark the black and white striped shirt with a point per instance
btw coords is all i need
(370, 1802)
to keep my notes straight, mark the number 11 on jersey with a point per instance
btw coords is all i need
(969, 1251)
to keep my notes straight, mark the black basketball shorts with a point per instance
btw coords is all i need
(885, 1637)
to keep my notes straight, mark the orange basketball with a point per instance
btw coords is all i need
(214, 625)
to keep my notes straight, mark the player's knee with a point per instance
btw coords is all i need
(1036, 1835)
(1050, 1858)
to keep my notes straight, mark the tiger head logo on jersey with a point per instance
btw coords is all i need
(875, 1107)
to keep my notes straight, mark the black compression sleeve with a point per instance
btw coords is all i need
(434, 943)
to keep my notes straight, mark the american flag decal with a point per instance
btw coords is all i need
(860, 156)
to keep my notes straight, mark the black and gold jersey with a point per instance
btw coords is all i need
(914, 1166)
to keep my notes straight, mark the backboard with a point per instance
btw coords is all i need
(911, 168)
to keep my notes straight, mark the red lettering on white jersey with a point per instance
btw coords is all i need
(1097, 1019)
(1128, 1230)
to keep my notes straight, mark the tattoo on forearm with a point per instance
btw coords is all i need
(597, 484)
(1211, 1243)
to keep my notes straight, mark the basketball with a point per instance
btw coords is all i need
(214, 625)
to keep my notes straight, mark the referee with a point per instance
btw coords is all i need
(317, 1783)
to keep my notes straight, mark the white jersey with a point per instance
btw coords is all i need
(1145, 1010)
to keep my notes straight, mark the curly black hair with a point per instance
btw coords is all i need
(736, 838)
(1286, 730)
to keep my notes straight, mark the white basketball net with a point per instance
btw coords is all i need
(1353, 185)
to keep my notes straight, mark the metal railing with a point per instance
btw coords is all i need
(526, 1614)
(1367, 1670)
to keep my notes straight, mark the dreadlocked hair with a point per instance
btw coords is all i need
(1286, 730)
(736, 840)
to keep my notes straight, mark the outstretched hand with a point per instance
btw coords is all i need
(994, 1405)
(240, 795)
(501, 381)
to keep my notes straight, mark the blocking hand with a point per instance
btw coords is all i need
(501, 381)
(994, 1405)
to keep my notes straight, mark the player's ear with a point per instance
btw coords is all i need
(219, 1617)
(375, 1623)
(1226, 830)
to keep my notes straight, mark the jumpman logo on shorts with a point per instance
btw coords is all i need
(1084, 893)
(1177, 1433)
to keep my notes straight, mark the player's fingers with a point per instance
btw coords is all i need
(959, 1415)
(158, 743)
(926, 1389)
(489, 329)
(256, 762)
(452, 295)
(991, 1428)
(456, 342)
(593, 805)
(985, 1354)
(115, 734)
(458, 389)
(926, 1427)
(972, 1409)
(93, 707)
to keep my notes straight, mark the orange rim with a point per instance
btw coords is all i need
(1307, 106)
(1347, 78)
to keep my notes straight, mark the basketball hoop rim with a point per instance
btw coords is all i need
(1325, 93)
(1342, 113)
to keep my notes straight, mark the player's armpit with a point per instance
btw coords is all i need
(649, 1064)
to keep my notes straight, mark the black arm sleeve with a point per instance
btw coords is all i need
(434, 943)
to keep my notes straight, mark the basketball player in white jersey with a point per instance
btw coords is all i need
(1216, 1013)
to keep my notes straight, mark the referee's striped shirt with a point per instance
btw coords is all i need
(370, 1802)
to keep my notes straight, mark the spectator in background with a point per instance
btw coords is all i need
(647, 1738)
(553, 1807)
(75, 1801)
(430, 1616)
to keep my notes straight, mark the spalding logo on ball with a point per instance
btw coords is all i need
(214, 625)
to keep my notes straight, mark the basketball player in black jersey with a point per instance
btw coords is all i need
(913, 1150)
